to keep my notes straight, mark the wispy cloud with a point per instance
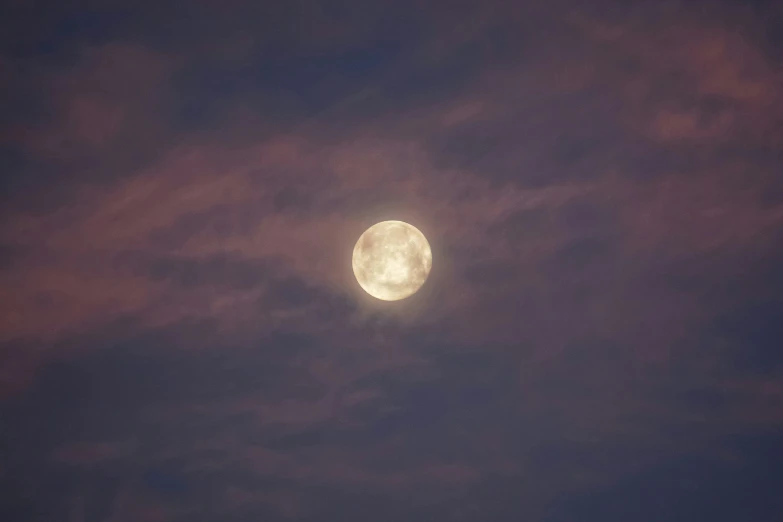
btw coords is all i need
(180, 332)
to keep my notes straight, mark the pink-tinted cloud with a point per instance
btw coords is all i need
(599, 185)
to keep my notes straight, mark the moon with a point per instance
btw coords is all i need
(391, 260)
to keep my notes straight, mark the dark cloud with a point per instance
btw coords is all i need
(218, 270)
(755, 327)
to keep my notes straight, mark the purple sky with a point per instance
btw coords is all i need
(181, 187)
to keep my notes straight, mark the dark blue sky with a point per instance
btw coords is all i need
(181, 187)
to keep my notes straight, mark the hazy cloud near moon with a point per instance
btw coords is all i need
(180, 336)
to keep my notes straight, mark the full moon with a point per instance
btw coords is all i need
(391, 260)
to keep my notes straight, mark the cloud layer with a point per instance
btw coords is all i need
(181, 337)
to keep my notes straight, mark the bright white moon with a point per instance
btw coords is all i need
(391, 260)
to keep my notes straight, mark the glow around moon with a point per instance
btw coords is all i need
(391, 260)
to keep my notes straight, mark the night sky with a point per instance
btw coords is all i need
(181, 187)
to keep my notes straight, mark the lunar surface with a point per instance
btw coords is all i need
(391, 260)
